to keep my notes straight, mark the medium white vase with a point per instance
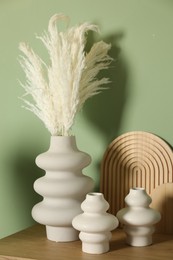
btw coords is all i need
(95, 224)
(63, 188)
(138, 218)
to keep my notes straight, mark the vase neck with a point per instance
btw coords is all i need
(138, 197)
(137, 191)
(95, 203)
(62, 143)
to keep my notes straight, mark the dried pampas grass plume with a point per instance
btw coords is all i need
(60, 89)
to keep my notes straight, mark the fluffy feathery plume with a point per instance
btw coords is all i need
(60, 89)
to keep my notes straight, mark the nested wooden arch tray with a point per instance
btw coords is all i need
(139, 159)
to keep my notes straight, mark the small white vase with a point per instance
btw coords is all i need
(138, 218)
(63, 188)
(95, 224)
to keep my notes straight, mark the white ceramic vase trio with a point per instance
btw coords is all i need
(59, 90)
(70, 206)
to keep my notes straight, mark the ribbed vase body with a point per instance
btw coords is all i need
(95, 224)
(63, 187)
(138, 218)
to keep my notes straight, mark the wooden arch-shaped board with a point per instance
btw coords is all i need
(137, 159)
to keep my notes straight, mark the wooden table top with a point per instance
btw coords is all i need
(33, 244)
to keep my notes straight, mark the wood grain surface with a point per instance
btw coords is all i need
(33, 244)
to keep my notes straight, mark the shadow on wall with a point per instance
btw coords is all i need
(105, 110)
(26, 172)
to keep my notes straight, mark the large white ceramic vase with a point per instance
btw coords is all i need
(63, 188)
(138, 218)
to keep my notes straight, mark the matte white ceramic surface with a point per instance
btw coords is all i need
(63, 187)
(138, 218)
(95, 224)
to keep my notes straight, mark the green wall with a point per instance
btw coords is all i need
(139, 97)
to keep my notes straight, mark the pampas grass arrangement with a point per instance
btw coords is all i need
(60, 89)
